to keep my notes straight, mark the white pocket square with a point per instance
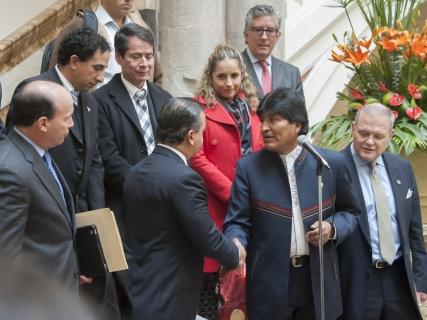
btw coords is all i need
(409, 194)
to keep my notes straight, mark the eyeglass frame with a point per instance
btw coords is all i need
(259, 31)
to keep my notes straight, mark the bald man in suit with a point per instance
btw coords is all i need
(36, 206)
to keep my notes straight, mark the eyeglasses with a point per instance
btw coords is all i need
(259, 31)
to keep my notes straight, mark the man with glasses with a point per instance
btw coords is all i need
(262, 31)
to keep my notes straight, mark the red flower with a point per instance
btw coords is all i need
(382, 87)
(396, 100)
(413, 91)
(356, 94)
(395, 114)
(414, 113)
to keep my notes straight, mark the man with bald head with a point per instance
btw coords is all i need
(36, 206)
(384, 262)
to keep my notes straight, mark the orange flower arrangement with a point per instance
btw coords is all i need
(389, 67)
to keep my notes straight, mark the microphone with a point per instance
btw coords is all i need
(305, 143)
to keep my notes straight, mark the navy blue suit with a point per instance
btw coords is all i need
(355, 253)
(169, 231)
(260, 215)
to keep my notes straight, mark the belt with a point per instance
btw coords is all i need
(300, 261)
(380, 264)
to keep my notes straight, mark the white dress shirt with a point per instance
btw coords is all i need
(179, 153)
(111, 27)
(299, 245)
(363, 168)
(257, 66)
(39, 149)
(132, 90)
(67, 84)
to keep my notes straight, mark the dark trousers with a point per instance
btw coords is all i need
(300, 296)
(389, 296)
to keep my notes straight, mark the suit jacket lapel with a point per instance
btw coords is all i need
(152, 105)
(121, 97)
(394, 174)
(363, 219)
(53, 76)
(276, 73)
(75, 130)
(42, 172)
(67, 195)
(86, 112)
(250, 69)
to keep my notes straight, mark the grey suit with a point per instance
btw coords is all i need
(283, 74)
(35, 222)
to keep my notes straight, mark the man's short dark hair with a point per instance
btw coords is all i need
(83, 43)
(28, 106)
(288, 103)
(178, 116)
(121, 39)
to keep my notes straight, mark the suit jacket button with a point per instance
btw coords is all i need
(79, 172)
(80, 150)
(214, 142)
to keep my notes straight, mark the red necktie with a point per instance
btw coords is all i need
(266, 77)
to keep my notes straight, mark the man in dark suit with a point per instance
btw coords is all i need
(273, 211)
(167, 220)
(122, 129)
(36, 207)
(384, 262)
(82, 59)
(262, 31)
(122, 140)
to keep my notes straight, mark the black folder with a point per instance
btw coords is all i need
(89, 251)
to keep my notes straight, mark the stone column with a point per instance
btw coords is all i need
(235, 15)
(189, 30)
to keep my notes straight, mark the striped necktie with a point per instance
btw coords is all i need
(144, 119)
(75, 96)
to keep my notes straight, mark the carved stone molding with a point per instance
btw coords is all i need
(36, 33)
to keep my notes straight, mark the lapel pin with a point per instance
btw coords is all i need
(398, 181)
(88, 109)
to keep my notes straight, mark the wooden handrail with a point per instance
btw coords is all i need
(37, 32)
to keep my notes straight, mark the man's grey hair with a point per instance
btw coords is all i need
(262, 10)
(376, 110)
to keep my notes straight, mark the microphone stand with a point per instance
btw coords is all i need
(320, 165)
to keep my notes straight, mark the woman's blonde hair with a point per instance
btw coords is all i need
(205, 88)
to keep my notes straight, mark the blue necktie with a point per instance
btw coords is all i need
(75, 96)
(48, 161)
